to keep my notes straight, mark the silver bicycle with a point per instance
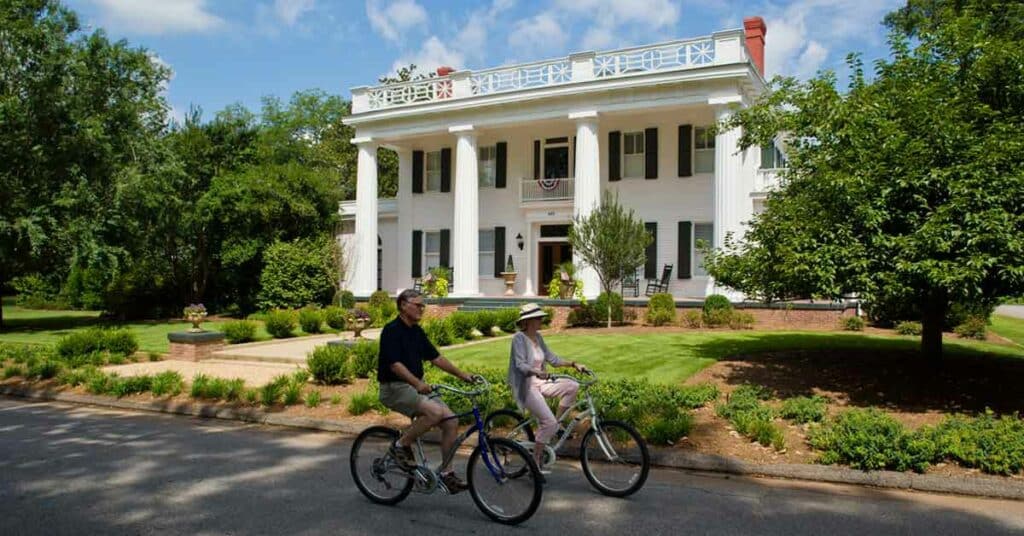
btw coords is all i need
(613, 454)
(503, 479)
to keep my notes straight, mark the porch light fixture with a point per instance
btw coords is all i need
(519, 241)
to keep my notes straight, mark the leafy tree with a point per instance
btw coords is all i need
(298, 273)
(906, 187)
(611, 240)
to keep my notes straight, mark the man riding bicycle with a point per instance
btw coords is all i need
(403, 349)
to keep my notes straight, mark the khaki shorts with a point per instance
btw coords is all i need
(403, 398)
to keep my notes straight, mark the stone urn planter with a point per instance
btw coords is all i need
(510, 283)
(358, 326)
(195, 314)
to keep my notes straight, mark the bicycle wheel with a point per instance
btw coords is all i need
(509, 423)
(615, 459)
(510, 494)
(375, 472)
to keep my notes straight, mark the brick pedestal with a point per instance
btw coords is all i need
(188, 346)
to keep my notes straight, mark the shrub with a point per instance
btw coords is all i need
(993, 444)
(271, 393)
(716, 302)
(601, 307)
(741, 320)
(717, 317)
(167, 383)
(693, 319)
(310, 319)
(121, 341)
(695, 396)
(131, 385)
(115, 359)
(234, 389)
(280, 323)
(335, 317)
(43, 369)
(974, 327)
(364, 358)
(92, 340)
(463, 323)
(346, 300)
(238, 331)
(666, 430)
(852, 323)
(22, 353)
(251, 396)
(297, 273)
(155, 356)
(11, 371)
(381, 308)
(200, 387)
(79, 376)
(582, 316)
(485, 320)
(292, 393)
(661, 309)
(870, 439)
(804, 409)
(506, 319)
(301, 376)
(100, 383)
(313, 399)
(438, 330)
(909, 328)
(35, 292)
(546, 321)
(335, 399)
(329, 364)
(751, 418)
(360, 403)
(380, 298)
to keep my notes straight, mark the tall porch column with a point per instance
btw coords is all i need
(728, 174)
(466, 228)
(587, 195)
(405, 219)
(364, 261)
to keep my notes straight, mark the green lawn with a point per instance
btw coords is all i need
(673, 357)
(1009, 327)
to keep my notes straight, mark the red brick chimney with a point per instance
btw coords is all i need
(756, 30)
(445, 70)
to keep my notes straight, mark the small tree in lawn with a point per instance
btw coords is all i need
(611, 241)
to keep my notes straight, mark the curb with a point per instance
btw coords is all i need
(975, 486)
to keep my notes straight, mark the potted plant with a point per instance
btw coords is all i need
(195, 313)
(509, 275)
(565, 285)
(358, 320)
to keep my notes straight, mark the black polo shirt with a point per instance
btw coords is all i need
(405, 344)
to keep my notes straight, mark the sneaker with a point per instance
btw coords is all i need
(453, 483)
(403, 456)
(542, 476)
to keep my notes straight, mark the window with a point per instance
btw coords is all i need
(703, 235)
(633, 154)
(486, 268)
(704, 153)
(434, 171)
(556, 161)
(431, 250)
(348, 226)
(772, 157)
(487, 166)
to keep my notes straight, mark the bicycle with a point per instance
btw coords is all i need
(613, 454)
(498, 468)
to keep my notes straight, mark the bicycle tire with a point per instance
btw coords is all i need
(590, 443)
(391, 435)
(512, 415)
(506, 445)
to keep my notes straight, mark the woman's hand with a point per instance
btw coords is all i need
(580, 367)
(541, 374)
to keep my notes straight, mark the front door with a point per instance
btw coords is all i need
(551, 255)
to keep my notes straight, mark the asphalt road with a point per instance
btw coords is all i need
(76, 470)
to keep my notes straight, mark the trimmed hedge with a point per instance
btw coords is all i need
(329, 364)
(239, 331)
(281, 323)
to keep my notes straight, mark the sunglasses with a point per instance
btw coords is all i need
(420, 306)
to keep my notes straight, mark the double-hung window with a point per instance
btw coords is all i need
(704, 150)
(703, 235)
(633, 155)
(431, 250)
(434, 171)
(486, 166)
(486, 252)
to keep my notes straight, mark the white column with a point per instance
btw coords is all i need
(405, 219)
(531, 265)
(364, 272)
(587, 194)
(728, 171)
(466, 228)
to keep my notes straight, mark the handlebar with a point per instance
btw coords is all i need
(480, 380)
(585, 383)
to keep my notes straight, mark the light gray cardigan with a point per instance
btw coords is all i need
(520, 365)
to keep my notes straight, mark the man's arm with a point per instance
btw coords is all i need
(402, 372)
(449, 367)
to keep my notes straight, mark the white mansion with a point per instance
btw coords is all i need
(497, 162)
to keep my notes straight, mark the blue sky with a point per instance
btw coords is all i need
(227, 51)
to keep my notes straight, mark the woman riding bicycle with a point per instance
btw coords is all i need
(527, 377)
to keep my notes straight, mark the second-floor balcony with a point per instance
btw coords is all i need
(545, 190)
(766, 180)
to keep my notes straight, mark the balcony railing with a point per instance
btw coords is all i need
(767, 180)
(531, 190)
(719, 49)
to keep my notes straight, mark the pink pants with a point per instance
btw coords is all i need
(541, 389)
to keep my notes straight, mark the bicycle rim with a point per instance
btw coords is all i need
(510, 424)
(514, 495)
(615, 459)
(374, 471)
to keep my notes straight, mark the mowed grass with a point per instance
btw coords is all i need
(672, 357)
(1009, 327)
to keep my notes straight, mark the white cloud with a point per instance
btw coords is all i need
(394, 19)
(538, 34)
(431, 55)
(289, 11)
(158, 17)
(654, 14)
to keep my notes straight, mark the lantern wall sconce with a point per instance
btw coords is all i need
(519, 241)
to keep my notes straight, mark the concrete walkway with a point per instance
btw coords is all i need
(285, 350)
(1016, 311)
(255, 373)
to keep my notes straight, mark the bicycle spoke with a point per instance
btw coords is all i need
(506, 489)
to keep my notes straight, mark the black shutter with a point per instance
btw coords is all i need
(651, 266)
(446, 241)
(685, 249)
(417, 172)
(651, 153)
(417, 252)
(685, 154)
(500, 164)
(573, 161)
(446, 169)
(614, 156)
(536, 160)
(499, 251)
